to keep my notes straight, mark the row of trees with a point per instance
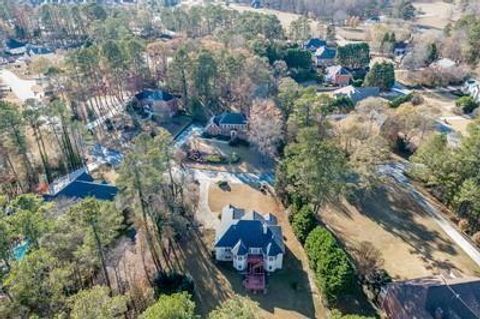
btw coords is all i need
(46, 130)
(452, 175)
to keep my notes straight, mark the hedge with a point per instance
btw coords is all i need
(331, 264)
(303, 222)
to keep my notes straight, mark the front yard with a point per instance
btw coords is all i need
(249, 160)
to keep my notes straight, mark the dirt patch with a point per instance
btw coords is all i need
(290, 293)
(436, 15)
(411, 243)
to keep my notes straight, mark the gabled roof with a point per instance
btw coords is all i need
(230, 118)
(155, 95)
(250, 230)
(401, 45)
(325, 53)
(422, 298)
(14, 44)
(84, 186)
(314, 43)
(358, 93)
(336, 70)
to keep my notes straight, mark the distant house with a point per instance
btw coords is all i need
(256, 4)
(400, 49)
(79, 185)
(15, 47)
(228, 124)
(433, 297)
(314, 44)
(356, 94)
(252, 242)
(157, 101)
(338, 75)
(37, 50)
(325, 56)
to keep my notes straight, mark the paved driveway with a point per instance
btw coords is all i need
(21, 88)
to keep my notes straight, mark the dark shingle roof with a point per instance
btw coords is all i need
(358, 93)
(230, 118)
(421, 298)
(314, 43)
(13, 44)
(156, 95)
(326, 53)
(84, 186)
(249, 230)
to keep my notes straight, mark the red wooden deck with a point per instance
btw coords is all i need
(255, 278)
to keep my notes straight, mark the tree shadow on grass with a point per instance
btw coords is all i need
(395, 211)
(215, 283)
(287, 289)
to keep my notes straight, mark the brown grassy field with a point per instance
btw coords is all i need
(411, 243)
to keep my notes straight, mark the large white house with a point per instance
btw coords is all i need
(249, 239)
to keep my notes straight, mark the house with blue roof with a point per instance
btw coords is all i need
(249, 240)
(15, 47)
(325, 56)
(314, 44)
(80, 185)
(228, 124)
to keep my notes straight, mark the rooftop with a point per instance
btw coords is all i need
(230, 118)
(81, 185)
(357, 93)
(325, 53)
(242, 231)
(424, 297)
(156, 95)
(314, 43)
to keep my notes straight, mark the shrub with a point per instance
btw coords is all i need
(357, 83)
(463, 224)
(338, 315)
(333, 270)
(476, 238)
(417, 99)
(172, 283)
(467, 104)
(215, 159)
(303, 222)
(399, 100)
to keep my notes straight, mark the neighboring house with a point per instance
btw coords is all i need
(157, 101)
(356, 94)
(79, 185)
(314, 44)
(252, 242)
(432, 298)
(338, 75)
(14, 47)
(400, 49)
(37, 50)
(228, 124)
(325, 56)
